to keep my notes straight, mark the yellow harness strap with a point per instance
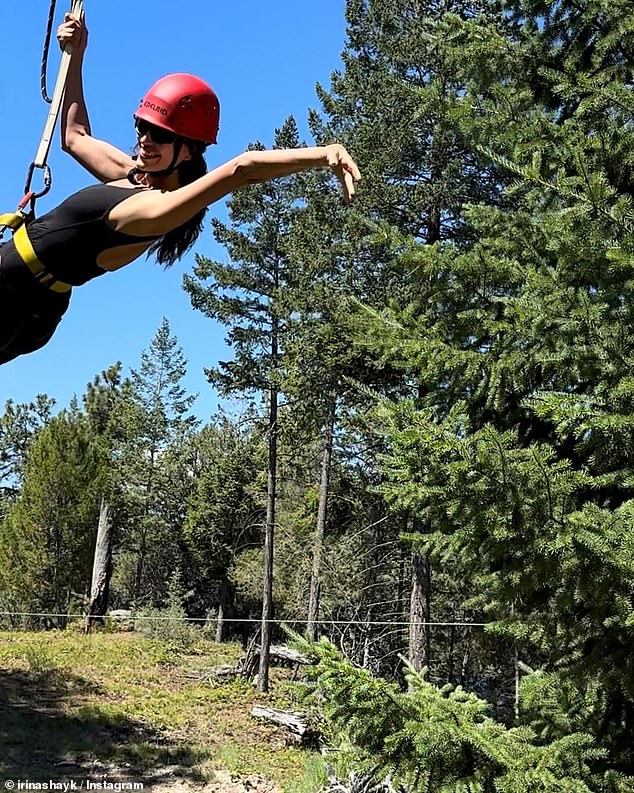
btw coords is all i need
(27, 254)
(12, 220)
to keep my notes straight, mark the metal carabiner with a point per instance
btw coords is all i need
(47, 181)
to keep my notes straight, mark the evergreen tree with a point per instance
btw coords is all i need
(322, 365)
(443, 739)
(153, 451)
(225, 510)
(49, 533)
(398, 104)
(18, 425)
(517, 450)
(248, 295)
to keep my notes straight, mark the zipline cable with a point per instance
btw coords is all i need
(258, 621)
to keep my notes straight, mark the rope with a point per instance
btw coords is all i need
(47, 43)
(58, 93)
(250, 620)
(15, 219)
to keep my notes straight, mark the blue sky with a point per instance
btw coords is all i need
(263, 60)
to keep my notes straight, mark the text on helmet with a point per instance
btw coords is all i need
(155, 108)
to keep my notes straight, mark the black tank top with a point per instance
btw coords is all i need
(69, 238)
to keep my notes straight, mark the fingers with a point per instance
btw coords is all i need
(349, 191)
(349, 164)
(72, 23)
(346, 170)
(354, 169)
(72, 31)
(68, 29)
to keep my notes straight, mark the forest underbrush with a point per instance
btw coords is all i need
(122, 708)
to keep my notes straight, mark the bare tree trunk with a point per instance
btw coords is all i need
(516, 699)
(516, 665)
(450, 652)
(102, 567)
(318, 543)
(419, 612)
(367, 647)
(401, 595)
(140, 568)
(267, 594)
(466, 660)
(421, 568)
(220, 624)
(297, 723)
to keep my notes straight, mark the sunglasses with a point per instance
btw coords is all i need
(158, 134)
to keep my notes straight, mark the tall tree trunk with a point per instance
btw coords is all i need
(145, 520)
(367, 656)
(140, 565)
(401, 591)
(102, 567)
(419, 612)
(516, 670)
(267, 594)
(324, 487)
(450, 653)
(222, 603)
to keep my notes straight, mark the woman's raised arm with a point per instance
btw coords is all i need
(103, 160)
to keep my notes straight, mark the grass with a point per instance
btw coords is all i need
(127, 706)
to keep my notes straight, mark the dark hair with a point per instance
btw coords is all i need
(171, 246)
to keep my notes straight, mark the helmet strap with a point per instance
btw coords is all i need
(178, 145)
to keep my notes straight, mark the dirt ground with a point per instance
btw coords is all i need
(224, 783)
(166, 780)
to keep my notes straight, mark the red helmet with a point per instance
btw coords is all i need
(183, 104)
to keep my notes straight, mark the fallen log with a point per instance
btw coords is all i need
(278, 654)
(283, 653)
(297, 723)
(227, 671)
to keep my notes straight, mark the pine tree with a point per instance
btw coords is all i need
(398, 104)
(18, 425)
(49, 533)
(518, 451)
(323, 366)
(225, 510)
(443, 739)
(154, 428)
(248, 296)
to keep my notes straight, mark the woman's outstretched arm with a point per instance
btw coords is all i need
(154, 212)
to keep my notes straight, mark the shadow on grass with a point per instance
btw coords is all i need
(46, 733)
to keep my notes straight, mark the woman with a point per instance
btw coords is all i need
(153, 202)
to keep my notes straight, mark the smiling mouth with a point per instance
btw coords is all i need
(149, 163)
